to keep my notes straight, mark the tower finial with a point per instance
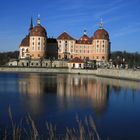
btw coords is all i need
(38, 19)
(85, 32)
(101, 24)
(31, 24)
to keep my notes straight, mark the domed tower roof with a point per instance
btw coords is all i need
(84, 39)
(38, 30)
(101, 33)
(25, 41)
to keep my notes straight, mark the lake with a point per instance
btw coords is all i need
(59, 98)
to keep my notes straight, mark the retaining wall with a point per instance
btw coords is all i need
(112, 73)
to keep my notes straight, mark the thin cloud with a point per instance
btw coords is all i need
(128, 30)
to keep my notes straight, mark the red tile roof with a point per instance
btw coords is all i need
(25, 41)
(101, 34)
(38, 31)
(84, 40)
(65, 36)
(76, 60)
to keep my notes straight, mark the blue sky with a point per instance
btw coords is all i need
(121, 19)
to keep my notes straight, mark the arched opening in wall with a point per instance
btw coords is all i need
(103, 58)
(97, 57)
(87, 58)
(65, 57)
(59, 56)
(71, 56)
(73, 65)
(27, 64)
(38, 55)
(27, 50)
(46, 64)
(80, 57)
(36, 64)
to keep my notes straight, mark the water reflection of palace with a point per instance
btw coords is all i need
(31, 85)
(66, 87)
(83, 87)
(31, 88)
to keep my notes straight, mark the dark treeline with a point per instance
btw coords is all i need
(6, 56)
(132, 59)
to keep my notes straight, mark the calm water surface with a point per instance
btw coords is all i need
(58, 98)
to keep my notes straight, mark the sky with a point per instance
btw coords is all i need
(121, 19)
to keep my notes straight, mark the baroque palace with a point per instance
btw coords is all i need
(37, 46)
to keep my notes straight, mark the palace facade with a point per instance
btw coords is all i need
(36, 45)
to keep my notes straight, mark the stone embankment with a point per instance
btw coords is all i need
(111, 73)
